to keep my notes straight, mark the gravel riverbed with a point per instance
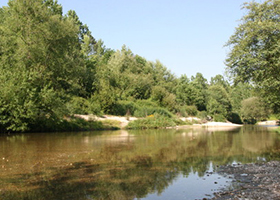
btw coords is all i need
(252, 181)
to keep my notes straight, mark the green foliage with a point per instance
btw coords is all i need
(122, 108)
(191, 110)
(51, 67)
(219, 118)
(253, 110)
(154, 121)
(254, 49)
(198, 92)
(146, 108)
(169, 102)
(219, 80)
(111, 125)
(183, 91)
(274, 116)
(146, 111)
(238, 93)
(234, 118)
(218, 101)
(186, 111)
(69, 124)
(202, 115)
(40, 63)
(80, 105)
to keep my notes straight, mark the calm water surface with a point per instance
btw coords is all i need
(154, 164)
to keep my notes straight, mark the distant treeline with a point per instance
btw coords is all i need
(52, 67)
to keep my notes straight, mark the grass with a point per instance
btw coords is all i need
(109, 124)
(278, 130)
(72, 124)
(154, 122)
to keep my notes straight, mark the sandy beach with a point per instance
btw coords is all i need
(125, 120)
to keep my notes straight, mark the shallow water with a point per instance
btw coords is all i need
(153, 164)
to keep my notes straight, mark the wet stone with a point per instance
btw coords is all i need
(252, 181)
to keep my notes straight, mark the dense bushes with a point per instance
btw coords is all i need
(79, 105)
(253, 110)
(122, 108)
(76, 74)
(69, 124)
(74, 124)
(186, 111)
(219, 118)
(140, 108)
(153, 121)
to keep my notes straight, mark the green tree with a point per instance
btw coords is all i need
(254, 54)
(40, 63)
(183, 91)
(253, 110)
(238, 93)
(198, 92)
(218, 101)
(163, 77)
(219, 80)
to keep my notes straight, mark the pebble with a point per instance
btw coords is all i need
(252, 181)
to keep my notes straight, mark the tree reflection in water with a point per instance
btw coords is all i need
(120, 164)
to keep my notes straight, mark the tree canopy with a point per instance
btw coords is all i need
(51, 67)
(254, 48)
(40, 63)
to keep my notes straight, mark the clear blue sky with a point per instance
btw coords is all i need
(187, 36)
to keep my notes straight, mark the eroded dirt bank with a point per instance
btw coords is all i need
(253, 181)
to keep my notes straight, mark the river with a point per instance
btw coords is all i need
(150, 164)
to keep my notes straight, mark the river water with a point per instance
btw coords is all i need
(151, 164)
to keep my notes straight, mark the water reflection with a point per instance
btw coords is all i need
(126, 164)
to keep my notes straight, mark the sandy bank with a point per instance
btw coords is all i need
(221, 124)
(125, 120)
(269, 123)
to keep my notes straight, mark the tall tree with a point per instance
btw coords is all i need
(40, 62)
(218, 101)
(198, 94)
(220, 80)
(255, 48)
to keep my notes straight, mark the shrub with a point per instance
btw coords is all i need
(202, 115)
(94, 107)
(111, 124)
(253, 110)
(274, 116)
(155, 121)
(219, 118)
(70, 124)
(146, 111)
(278, 130)
(186, 111)
(147, 103)
(121, 108)
(79, 105)
(145, 108)
(235, 118)
(191, 110)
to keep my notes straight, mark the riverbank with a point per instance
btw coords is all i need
(122, 122)
(252, 181)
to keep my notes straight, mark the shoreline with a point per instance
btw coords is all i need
(125, 120)
(251, 181)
